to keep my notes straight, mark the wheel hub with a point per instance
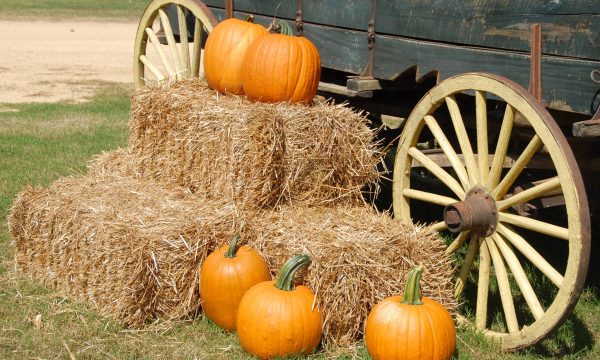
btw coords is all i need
(476, 213)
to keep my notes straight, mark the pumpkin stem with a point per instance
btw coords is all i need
(249, 18)
(281, 27)
(289, 269)
(412, 289)
(230, 253)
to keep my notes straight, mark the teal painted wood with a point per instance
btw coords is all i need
(564, 80)
(569, 28)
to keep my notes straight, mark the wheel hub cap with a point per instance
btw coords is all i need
(476, 213)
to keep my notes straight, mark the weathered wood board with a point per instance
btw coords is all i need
(570, 28)
(449, 37)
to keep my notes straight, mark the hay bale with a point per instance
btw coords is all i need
(359, 257)
(129, 246)
(257, 154)
(118, 162)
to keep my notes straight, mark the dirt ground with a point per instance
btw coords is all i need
(43, 61)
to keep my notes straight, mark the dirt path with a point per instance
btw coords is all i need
(44, 61)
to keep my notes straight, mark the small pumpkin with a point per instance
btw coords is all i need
(277, 319)
(410, 326)
(225, 276)
(224, 53)
(281, 67)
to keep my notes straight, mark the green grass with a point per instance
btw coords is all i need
(66, 9)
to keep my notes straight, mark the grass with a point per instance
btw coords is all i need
(69, 9)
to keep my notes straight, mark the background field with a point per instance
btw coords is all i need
(61, 9)
(42, 142)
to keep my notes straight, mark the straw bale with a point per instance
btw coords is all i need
(257, 154)
(118, 162)
(359, 257)
(129, 246)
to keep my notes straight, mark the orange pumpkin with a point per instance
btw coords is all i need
(224, 52)
(226, 275)
(276, 319)
(410, 326)
(281, 67)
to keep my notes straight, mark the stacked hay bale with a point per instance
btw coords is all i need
(359, 257)
(255, 154)
(129, 246)
(289, 177)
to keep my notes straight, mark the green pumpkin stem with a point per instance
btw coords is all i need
(230, 253)
(412, 289)
(289, 269)
(281, 27)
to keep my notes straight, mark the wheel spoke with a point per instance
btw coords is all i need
(159, 76)
(463, 140)
(482, 135)
(166, 24)
(517, 167)
(519, 275)
(501, 146)
(158, 47)
(437, 171)
(535, 225)
(483, 285)
(457, 164)
(439, 226)
(531, 254)
(428, 197)
(545, 187)
(457, 243)
(506, 297)
(183, 41)
(467, 265)
(197, 52)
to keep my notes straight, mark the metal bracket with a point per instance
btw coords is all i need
(535, 78)
(299, 20)
(228, 9)
(368, 72)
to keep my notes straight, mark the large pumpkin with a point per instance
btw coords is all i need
(224, 53)
(410, 326)
(226, 275)
(281, 67)
(276, 319)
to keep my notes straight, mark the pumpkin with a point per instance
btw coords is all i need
(410, 326)
(225, 276)
(276, 319)
(281, 67)
(224, 53)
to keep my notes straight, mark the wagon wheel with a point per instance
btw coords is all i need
(475, 206)
(174, 60)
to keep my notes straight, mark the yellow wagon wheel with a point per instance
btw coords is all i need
(522, 293)
(162, 51)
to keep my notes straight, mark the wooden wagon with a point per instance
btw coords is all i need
(491, 109)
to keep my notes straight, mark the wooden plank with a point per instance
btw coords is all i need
(349, 14)
(569, 28)
(565, 82)
(588, 128)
